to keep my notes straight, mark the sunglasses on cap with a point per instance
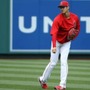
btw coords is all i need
(62, 7)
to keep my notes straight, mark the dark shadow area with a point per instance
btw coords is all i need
(42, 56)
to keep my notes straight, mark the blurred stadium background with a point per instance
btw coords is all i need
(25, 49)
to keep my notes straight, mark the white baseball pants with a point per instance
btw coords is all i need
(63, 50)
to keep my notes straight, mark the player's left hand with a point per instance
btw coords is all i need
(71, 34)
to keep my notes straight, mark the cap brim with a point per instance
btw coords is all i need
(61, 6)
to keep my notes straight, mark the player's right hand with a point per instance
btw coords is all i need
(54, 49)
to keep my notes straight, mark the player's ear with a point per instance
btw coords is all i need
(68, 7)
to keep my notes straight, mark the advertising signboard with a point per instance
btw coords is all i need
(31, 20)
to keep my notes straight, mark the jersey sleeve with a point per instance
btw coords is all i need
(54, 31)
(77, 27)
(78, 24)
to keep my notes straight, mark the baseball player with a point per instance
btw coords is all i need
(65, 28)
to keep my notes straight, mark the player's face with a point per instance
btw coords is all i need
(64, 9)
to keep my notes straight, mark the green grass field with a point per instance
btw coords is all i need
(23, 74)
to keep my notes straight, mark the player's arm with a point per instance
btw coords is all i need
(53, 33)
(77, 29)
(73, 32)
(78, 26)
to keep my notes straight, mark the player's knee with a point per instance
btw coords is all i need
(53, 64)
(64, 64)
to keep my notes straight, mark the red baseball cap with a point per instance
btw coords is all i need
(63, 3)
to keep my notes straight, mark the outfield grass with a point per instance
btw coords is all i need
(23, 74)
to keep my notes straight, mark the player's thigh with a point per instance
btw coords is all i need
(65, 50)
(54, 56)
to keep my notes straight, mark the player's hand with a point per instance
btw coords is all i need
(54, 49)
(71, 37)
(71, 34)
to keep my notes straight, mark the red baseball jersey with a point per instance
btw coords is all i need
(61, 25)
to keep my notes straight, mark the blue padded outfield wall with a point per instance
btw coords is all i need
(30, 22)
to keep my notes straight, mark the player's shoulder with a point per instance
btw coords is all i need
(58, 17)
(74, 15)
